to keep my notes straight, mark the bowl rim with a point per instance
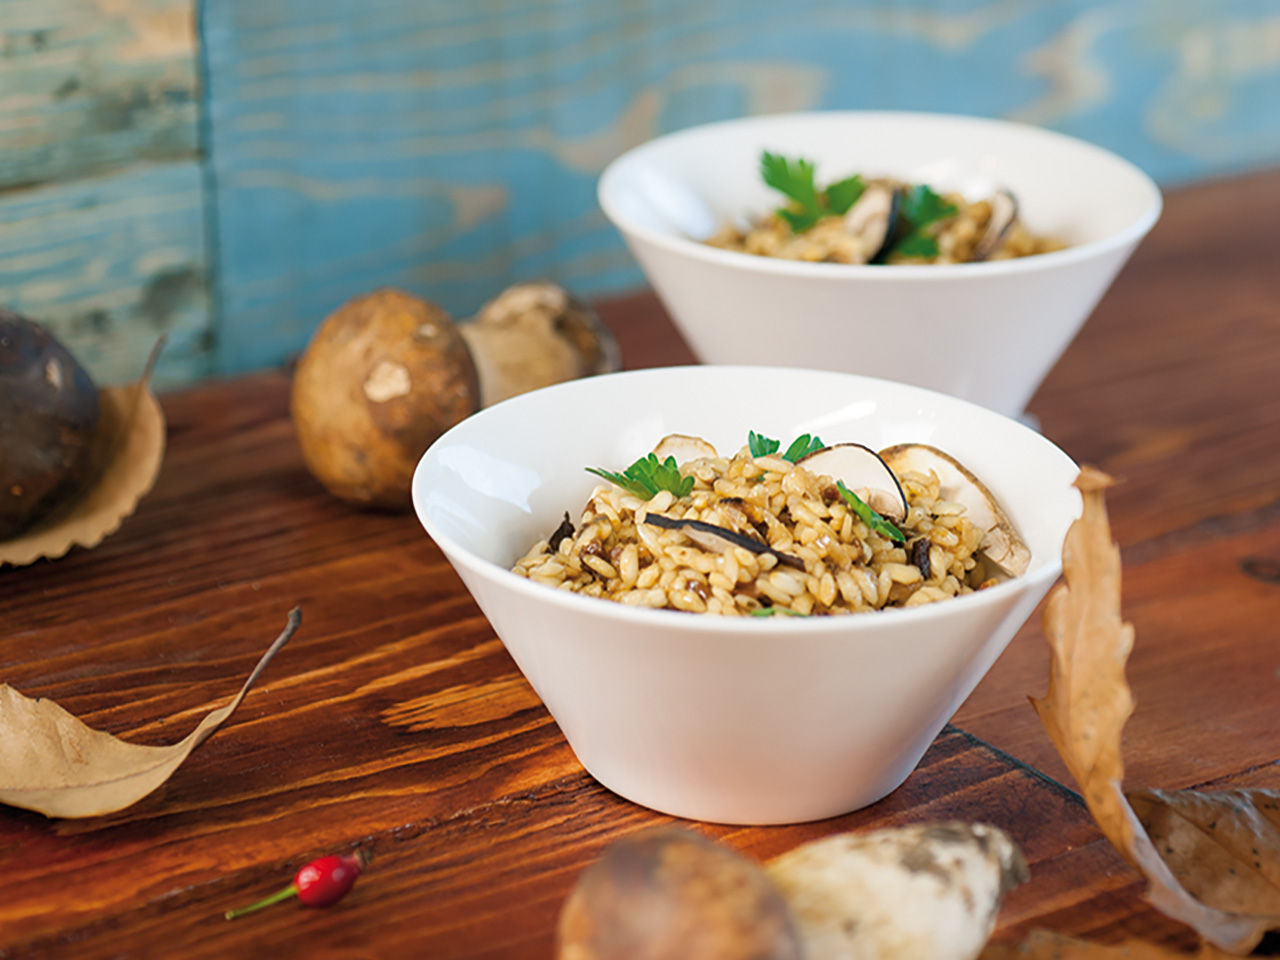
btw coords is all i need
(458, 554)
(828, 272)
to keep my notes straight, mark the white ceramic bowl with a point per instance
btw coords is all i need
(735, 720)
(986, 332)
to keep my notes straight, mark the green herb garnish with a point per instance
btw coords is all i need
(772, 611)
(647, 476)
(868, 516)
(917, 209)
(761, 446)
(802, 446)
(795, 180)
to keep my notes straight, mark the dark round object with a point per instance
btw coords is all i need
(48, 412)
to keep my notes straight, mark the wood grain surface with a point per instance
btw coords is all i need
(394, 720)
(110, 262)
(102, 211)
(93, 85)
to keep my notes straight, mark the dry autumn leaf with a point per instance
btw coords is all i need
(1212, 860)
(124, 459)
(53, 763)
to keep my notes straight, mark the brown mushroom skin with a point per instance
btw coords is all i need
(668, 893)
(48, 412)
(383, 377)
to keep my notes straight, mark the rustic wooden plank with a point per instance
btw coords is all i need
(86, 85)
(453, 148)
(1170, 385)
(488, 881)
(111, 262)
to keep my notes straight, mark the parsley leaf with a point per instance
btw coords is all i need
(793, 179)
(774, 611)
(760, 445)
(916, 244)
(647, 476)
(801, 446)
(868, 516)
(917, 209)
(842, 194)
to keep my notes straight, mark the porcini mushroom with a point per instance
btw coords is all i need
(382, 378)
(871, 219)
(668, 893)
(533, 335)
(864, 473)
(921, 892)
(683, 448)
(717, 539)
(1004, 210)
(1001, 542)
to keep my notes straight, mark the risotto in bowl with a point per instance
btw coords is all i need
(749, 594)
(956, 253)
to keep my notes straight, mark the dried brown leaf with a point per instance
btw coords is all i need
(1044, 945)
(128, 444)
(1205, 838)
(53, 763)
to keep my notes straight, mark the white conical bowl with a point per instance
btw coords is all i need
(736, 720)
(986, 332)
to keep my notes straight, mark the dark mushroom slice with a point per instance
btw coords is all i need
(719, 539)
(562, 532)
(919, 556)
(863, 471)
(1004, 210)
(1001, 543)
(872, 218)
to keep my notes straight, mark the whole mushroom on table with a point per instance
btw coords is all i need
(389, 372)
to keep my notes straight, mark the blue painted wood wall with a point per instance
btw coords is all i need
(334, 146)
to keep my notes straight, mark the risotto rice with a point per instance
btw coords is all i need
(817, 556)
(828, 241)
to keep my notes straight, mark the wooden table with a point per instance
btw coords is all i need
(396, 722)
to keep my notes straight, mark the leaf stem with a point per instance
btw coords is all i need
(290, 891)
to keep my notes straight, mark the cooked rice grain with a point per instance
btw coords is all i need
(847, 567)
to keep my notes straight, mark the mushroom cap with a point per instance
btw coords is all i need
(1001, 542)
(668, 893)
(48, 409)
(383, 377)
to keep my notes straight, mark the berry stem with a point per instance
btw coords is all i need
(290, 891)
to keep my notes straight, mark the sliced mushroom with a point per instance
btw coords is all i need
(1001, 543)
(683, 448)
(871, 219)
(720, 539)
(864, 473)
(562, 532)
(1004, 210)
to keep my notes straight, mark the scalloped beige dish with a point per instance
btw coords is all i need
(128, 446)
